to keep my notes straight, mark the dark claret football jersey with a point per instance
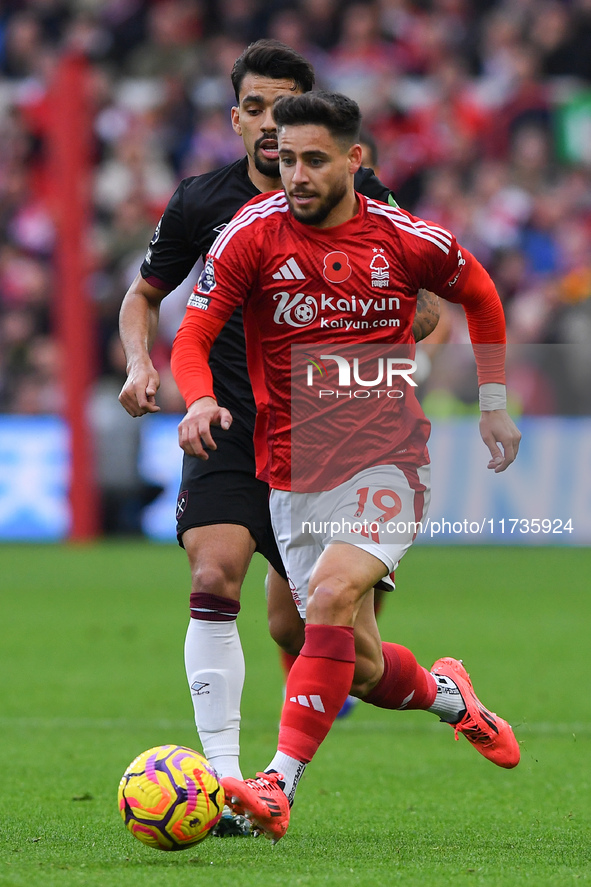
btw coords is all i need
(197, 212)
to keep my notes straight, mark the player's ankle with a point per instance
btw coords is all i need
(291, 772)
(449, 703)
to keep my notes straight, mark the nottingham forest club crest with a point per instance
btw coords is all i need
(380, 276)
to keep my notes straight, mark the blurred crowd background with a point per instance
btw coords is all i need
(481, 114)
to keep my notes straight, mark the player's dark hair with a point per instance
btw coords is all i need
(274, 59)
(338, 113)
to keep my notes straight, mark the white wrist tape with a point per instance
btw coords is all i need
(492, 396)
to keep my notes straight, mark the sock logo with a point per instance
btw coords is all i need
(312, 701)
(198, 688)
(449, 691)
(297, 776)
(406, 700)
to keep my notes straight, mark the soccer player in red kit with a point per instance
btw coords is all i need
(223, 508)
(355, 266)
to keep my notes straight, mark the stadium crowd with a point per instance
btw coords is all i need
(481, 112)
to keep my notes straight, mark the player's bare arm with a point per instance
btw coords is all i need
(195, 428)
(138, 324)
(427, 315)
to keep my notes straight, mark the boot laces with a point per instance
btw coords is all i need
(473, 731)
(265, 782)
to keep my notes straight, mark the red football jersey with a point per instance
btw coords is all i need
(328, 319)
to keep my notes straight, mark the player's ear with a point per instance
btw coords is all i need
(236, 121)
(354, 155)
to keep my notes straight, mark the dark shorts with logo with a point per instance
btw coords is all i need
(225, 490)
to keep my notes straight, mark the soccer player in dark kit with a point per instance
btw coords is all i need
(222, 512)
(353, 463)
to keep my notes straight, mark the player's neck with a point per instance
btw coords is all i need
(262, 182)
(345, 210)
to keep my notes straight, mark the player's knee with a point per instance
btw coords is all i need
(329, 605)
(216, 579)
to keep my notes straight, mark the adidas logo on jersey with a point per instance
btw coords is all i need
(290, 271)
(312, 701)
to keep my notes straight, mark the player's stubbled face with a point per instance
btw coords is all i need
(253, 120)
(315, 173)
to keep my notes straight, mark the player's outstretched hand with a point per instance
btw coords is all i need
(497, 427)
(194, 430)
(138, 394)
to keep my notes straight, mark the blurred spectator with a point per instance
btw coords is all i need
(116, 436)
(134, 168)
(214, 88)
(361, 64)
(36, 388)
(172, 45)
(292, 28)
(562, 34)
(212, 145)
(322, 21)
(22, 45)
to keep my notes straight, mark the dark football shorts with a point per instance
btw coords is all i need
(224, 490)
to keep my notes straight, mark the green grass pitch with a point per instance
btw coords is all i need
(92, 674)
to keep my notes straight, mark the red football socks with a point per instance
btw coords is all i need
(317, 686)
(404, 684)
